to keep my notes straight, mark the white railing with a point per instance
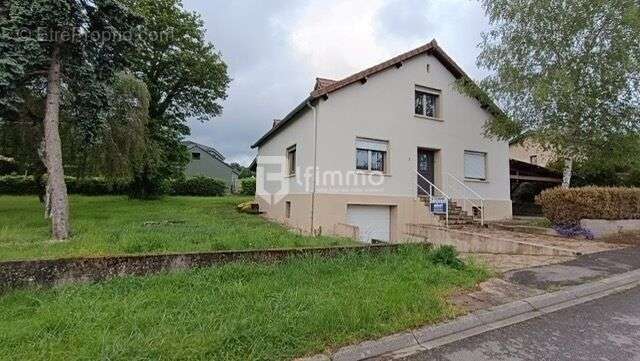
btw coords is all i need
(430, 194)
(470, 196)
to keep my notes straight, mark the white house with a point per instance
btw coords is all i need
(366, 155)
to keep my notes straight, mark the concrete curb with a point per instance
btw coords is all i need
(429, 337)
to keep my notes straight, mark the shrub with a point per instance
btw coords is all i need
(199, 186)
(97, 186)
(569, 206)
(147, 185)
(27, 185)
(18, 185)
(446, 256)
(248, 186)
(7, 166)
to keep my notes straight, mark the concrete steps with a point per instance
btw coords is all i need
(457, 216)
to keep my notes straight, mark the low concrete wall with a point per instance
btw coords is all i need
(59, 271)
(526, 229)
(469, 242)
(601, 228)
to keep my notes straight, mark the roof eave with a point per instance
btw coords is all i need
(282, 123)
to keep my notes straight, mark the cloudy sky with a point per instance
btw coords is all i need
(275, 50)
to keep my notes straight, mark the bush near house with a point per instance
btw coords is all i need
(199, 186)
(569, 206)
(248, 186)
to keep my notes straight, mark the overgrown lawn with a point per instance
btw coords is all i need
(239, 311)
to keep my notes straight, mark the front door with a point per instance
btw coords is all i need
(425, 169)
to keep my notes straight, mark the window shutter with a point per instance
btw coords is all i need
(475, 165)
(370, 144)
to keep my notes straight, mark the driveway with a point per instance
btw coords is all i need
(605, 329)
(580, 270)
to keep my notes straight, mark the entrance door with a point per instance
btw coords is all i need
(425, 169)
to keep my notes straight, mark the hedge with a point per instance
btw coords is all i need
(26, 185)
(569, 206)
(18, 185)
(198, 186)
(248, 186)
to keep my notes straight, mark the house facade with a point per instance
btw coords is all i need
(527, 150)
(384, 148)
(207, 161)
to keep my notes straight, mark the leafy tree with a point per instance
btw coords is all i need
(185, 75)
(615, 164)
(47, 46)
(567, 72)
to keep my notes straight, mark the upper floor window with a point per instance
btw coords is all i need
(291, 160)
(475, 165)
(371, 155)
(195, 156)
(426, 104)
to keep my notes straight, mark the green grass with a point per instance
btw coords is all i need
(117, 225)
(239, 311)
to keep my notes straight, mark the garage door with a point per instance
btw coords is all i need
(373, 221)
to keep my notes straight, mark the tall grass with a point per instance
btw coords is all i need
(239, 311)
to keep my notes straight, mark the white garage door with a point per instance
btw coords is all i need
(373, 221)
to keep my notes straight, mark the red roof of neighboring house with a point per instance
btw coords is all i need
(324, 87)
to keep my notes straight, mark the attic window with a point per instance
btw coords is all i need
(426, 104)
(195, 156)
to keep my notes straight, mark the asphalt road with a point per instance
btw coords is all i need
(604, 329)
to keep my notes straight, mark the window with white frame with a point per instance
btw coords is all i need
(371, 155)
(426, 104)
(475, 165)
(291, 160)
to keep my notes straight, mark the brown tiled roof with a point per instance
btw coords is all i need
(322, 82)
(324, 87)
(432, 47)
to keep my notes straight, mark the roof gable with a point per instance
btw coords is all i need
(209, 150)
(324, 87)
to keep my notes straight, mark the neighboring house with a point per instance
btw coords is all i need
(208, 162)
(361, 155)
(526, 150)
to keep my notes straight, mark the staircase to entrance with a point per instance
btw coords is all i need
(459, 198)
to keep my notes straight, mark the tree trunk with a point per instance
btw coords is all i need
(566, 174)
(56, 196)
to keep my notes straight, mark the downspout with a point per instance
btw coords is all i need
(315, 162)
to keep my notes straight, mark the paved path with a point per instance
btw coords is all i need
(605, 329)
(583, 269)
